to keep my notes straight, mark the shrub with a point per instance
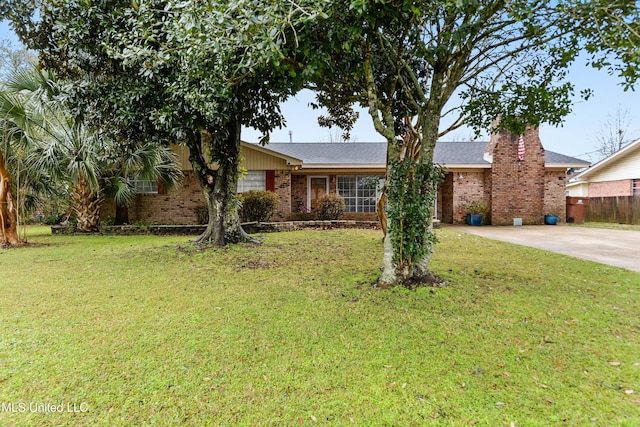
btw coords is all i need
(52, 219)
(330, 207)
(258, 205)
(476, 207)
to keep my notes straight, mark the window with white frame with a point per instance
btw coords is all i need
(144, 186)
(252, 180)
(360, 193)
(636, 187)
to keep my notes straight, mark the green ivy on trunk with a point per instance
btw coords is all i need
(411, 192)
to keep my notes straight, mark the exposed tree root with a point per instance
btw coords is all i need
(207, 238)
(427, 281)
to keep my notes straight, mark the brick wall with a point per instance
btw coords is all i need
(555, 200)
(517, 187)
(468, 188)
(282, 180)
(298, 192)
(621, 187)
(333, 184)
(176, 207)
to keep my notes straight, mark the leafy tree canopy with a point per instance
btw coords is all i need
(504, 59)
(187, 71)
(408, 60)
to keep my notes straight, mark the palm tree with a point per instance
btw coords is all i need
(56, 150)
(16, 118)
(147, 161)
(79, 157)
(8, 209)
(70, 155)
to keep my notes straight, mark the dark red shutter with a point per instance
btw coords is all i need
(161, 188)
(270, 181)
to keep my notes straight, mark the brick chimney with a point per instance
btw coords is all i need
(517, 186)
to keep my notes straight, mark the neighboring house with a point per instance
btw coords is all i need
(616, 175)
(300, 173)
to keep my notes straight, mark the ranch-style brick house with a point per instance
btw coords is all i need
(300, 173)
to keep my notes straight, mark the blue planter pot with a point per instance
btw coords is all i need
(551, 219)
(476, 219)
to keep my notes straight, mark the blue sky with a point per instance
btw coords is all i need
(577, 137)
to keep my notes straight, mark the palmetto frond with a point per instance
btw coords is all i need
(15, 116)
(63, 152)
(121, 189)
(153, 162)
(147, 161)
(69, 154)
(33, 80)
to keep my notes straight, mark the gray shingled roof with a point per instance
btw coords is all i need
(375, 153)
(556, 158)
(356, 153)
(460, 153)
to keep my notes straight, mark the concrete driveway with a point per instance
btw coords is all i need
(620, 248)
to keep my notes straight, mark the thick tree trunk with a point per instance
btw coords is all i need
(391, 275)
(86, 206)
(219, 188)
(122, 215)
(397, 267)
(8, 209)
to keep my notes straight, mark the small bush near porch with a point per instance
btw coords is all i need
(147, 330)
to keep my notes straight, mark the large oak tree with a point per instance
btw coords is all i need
(189, 72)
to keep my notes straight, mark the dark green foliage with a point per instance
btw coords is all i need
(411, 197)
(202, 214)
(258, 205)
(52, 219)
(330, 207)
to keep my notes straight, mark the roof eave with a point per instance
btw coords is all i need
(566, 165)
(342, 166)
(608, 160)
(465, 165)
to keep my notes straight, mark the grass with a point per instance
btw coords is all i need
(609, 226)
(149, 331)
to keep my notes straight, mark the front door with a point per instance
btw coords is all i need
(318, 187)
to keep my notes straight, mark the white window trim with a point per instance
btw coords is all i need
(153, 185)
(243, 180)
(378, 189)
(309, 178)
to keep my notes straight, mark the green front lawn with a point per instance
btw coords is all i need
(148, 331)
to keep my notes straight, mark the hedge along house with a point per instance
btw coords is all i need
(300, 173)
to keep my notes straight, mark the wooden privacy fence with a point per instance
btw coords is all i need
(621, 209)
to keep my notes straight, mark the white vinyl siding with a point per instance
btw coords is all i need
(360, 193)
(626, 168)
(253, 180)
